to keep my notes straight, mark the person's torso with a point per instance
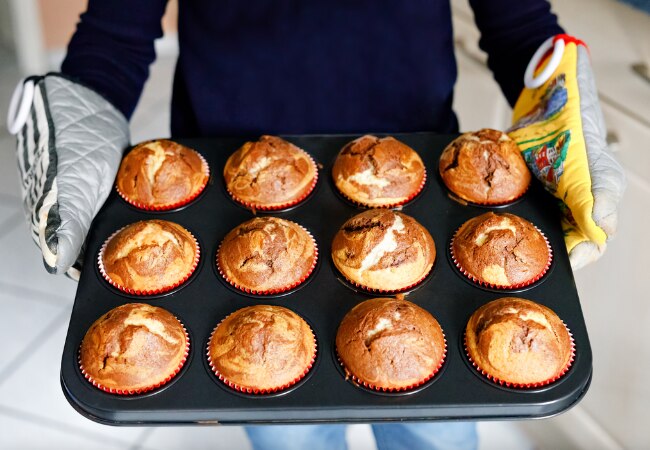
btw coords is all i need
(290, 67)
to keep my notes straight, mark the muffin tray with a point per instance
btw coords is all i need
(195, 395)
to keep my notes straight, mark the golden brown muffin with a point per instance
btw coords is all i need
(502, 250)
(267, 254)
(133, 348)
(262, 349)
(378, 172)
(485, 166)
(383, 250)
(149, 256)
(161, 174)
(390, 344)
(518, 342)
(270, 173)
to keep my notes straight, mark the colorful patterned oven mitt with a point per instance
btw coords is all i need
(69, 145)
(559, 127)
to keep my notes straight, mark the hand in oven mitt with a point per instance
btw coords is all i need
(69, 145)
(558, 124)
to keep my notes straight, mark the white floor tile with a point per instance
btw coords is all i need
(616, 305)
(16, 434)
(24, 266)
(8, 165)
(35, 389)
(197, 438)
(502, 436)
(360, 437)
(22, 319)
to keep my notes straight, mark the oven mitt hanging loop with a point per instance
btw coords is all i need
(69, 145)
(559, 126)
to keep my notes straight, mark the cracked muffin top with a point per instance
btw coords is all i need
(501, 249)
(267, 254)
(390, 343)
(149, 255)
(485, 166)
(270, 173)
(161, 173)
(262, 347)
(133, 347)
(518, 341)
(384, 250)
(378, 171)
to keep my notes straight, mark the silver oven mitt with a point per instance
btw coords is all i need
(69, 145)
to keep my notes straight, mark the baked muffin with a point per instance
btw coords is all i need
(378, 172)
(518, 342)
(484, 167)
(149, 257)
(133, 348)
(261, 349)
(501, 250)
(161, 175)
(390, 344)
(383, 250)
(270, 173)
(267, 255)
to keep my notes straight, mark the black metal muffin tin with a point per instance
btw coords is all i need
(458, 391)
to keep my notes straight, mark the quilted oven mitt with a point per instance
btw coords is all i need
(558, 124)
(69, 145)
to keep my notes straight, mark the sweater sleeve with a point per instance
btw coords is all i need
(113, 47)
(511, 31)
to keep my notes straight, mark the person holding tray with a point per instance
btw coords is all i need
(278, 67)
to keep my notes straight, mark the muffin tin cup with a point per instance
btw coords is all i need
(350, 376)
(372, 290)
(486, 204)
(399, 204)
(174, 205)
(488, 285)
(138, 292)
(275, 291)
(137, 391)
(286, 205)
(522, 386)
(255, 391)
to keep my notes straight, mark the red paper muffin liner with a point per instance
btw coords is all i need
(142, 390)
(293, 285)
(256, 391)
(355, 379)
(500, 286)
(102, 270)
(169, 206)
(260, 207)
(387, 291)
(508, 384)
(387, 205)
(459, 198)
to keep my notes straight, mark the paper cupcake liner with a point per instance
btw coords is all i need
(276, 291)
(508, 384)
(142, 390)
(387, 205)
(349, 375)
(500, 286)
(485, 203)
(260, 207)
(169, 206)
(387, 291)
(102, 270)
(247, 390)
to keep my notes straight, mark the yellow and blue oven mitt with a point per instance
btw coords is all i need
(558, 124)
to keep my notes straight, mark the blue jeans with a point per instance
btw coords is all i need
(389, 436)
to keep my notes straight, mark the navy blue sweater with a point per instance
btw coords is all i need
(283, 66)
